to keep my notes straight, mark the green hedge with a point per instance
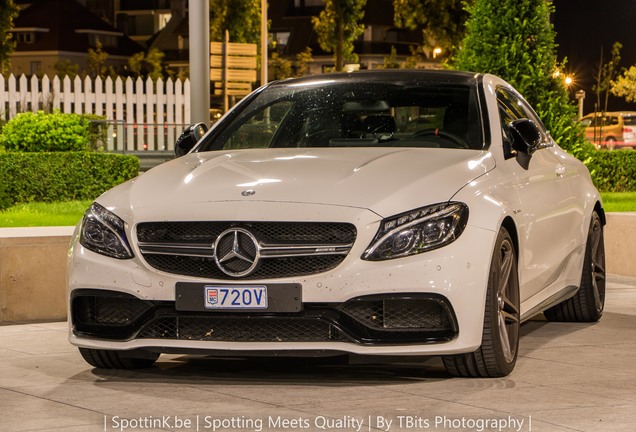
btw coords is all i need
(40, 131)
(613, 171)
(61, 176)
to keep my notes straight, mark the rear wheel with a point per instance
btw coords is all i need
(112, 359)
(588, 303)
(610, 143)
(497, 355)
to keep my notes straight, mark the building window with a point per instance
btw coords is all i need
(36, 67)
(278, 41)
(136, 25)
(107, 41)
(163, 19)
(25, 37)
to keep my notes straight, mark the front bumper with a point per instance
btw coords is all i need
(369, 320)
(442, 290)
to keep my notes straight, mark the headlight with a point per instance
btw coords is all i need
(103, 232)
(418, 231)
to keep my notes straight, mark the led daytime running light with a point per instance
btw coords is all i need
(398, 225)
(98, 220)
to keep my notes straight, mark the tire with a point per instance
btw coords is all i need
(112, 359)
(588, 303)
(497, 355)
(610, 143)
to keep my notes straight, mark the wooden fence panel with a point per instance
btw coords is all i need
(139, 115)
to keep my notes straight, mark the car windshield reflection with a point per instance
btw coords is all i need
(376, 114)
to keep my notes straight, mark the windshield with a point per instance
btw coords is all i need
(366, 114)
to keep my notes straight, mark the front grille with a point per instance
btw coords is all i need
(369, 320)
(268, 232)
(241, 330)
(269, 269)
(400, 314)
(109, 314)
(286, 249)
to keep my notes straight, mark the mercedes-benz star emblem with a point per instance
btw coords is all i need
(236, 252)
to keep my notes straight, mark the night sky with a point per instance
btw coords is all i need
(582, 27)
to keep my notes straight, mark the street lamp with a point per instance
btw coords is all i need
(437, 51)
(580, 96)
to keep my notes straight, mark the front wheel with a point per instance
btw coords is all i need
(112, 359)
(588, 303)
(497, 355)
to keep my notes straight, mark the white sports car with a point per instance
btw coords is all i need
(376, 213)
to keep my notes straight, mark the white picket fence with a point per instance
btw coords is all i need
(141, 116)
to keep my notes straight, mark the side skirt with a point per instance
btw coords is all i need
(555, 299)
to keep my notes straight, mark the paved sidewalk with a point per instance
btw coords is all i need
(569, 377)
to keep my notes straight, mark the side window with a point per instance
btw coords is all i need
(512, 107)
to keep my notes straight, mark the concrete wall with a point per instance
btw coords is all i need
(33, 273)
(33, 266)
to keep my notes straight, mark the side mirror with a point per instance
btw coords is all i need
(526, 136)
(188, 138)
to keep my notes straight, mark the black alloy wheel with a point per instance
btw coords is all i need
(497, 355)
(589, 302)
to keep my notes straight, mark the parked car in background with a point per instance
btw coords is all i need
(375, 213)
(611, 130)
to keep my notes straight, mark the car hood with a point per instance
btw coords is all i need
(383, 180)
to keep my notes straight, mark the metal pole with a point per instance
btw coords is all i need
(264, 42)
(199, 45)
(225, 68)
(580, 95)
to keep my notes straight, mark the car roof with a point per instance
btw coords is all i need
(397, 76)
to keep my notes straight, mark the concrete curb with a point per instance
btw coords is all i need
(33, 266)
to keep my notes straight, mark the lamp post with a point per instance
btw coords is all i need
(264, 42)
(199, 45)
(580, 96)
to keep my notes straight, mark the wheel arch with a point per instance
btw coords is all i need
(509, 224)
(598, 208)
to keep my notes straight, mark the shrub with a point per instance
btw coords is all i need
(515, 40)
(61, 176)
(49, 132)
(613, 171)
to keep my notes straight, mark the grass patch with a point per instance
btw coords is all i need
(44, 214)
(619, 201)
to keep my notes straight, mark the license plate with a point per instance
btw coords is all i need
(244, 297)
(218, 297)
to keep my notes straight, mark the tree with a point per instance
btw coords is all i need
(136, 63)
(96, 62)
(65, 67)
(338, 26)
(625, 85)
(303, 62)
(281, 68)
(514, 39)
(8, 12)
(391, 61)
(606, 74)
(443, 21)
(242, 18)
(150, 64)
